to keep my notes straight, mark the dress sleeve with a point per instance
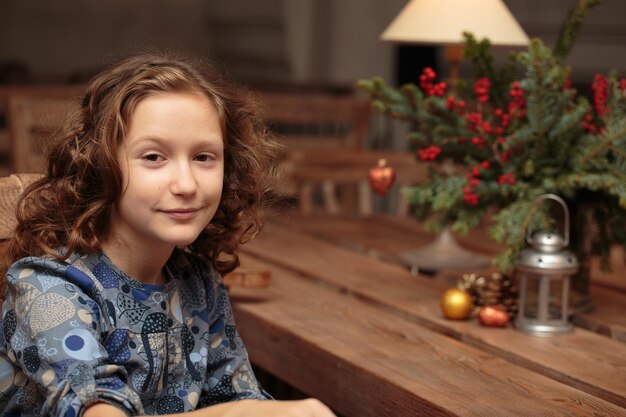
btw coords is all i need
(230, 375)
(52, 329)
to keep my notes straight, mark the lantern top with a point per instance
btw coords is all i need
(550, 241)
(547, 242)
(534, 261)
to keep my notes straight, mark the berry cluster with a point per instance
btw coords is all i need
(600, 88)
(488, 129)
(470, 197)
(517, 105)
(430, 153)
(469, 192)
(589, 125)
(481, 88)
(474, 120)
(567, 84)
(478, 141)
(506, 178)
(427, 83)
(453, 104)
(505, 119)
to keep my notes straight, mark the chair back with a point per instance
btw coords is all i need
(11, 188)
(33, 122)
(317, 120)
(336, 182)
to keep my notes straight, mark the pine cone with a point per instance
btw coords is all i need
(496, 290)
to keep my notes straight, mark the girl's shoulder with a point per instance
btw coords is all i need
(45, 272)
(32, 267)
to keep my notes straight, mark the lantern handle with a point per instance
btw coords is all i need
(565, 219)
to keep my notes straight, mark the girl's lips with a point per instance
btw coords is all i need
(181, 214)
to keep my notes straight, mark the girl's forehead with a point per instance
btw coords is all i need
(170, 116)
(198, 95)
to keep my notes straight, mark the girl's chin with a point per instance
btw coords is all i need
(182, 242)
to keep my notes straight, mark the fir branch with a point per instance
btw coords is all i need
(570, 29)
(617, 173)
(603, 145)
(519, 137)
(505, 226)
(480, 55)
(618, 151)
(607, 183)
(536, 98)
(570, 121)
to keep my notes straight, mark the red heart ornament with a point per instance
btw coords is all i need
(381, 177)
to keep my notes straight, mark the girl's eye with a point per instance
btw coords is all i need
(153, 157)
(203, 157)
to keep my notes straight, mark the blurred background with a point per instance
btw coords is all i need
(328, 43)
(311, 46)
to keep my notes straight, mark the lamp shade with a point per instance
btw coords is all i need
(442, 22)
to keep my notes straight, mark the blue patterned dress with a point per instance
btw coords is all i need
(82, 331)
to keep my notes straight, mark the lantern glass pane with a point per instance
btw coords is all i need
(556, 297)
(532, 292)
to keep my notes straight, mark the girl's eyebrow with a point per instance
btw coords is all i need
(164, 142)
(151, 138)
(142, 142)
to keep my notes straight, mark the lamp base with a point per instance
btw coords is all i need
(443, 253)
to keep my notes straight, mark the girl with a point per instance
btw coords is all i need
(114, 303)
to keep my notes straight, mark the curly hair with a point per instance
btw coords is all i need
(69, 208)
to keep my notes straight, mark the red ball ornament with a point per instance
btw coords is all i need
(381, 177)
(493, 317)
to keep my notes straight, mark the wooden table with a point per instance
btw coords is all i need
(385, 237)
(367, 338)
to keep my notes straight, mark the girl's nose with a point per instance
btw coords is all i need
(184, 182)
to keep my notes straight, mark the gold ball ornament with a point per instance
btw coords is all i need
(456, 304)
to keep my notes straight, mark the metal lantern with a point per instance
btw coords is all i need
(544, 271)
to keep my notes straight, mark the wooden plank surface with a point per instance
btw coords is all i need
(583, 359)
(609, 314)
(365, 361)
(380, 236)
(385, 237)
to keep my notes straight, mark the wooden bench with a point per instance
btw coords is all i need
(316, 120)
(335, 181)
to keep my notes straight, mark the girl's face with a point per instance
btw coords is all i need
(172, 163)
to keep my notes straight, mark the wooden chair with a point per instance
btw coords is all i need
(33, 121)
(336, 182)
(11, 188)
(317, 120)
